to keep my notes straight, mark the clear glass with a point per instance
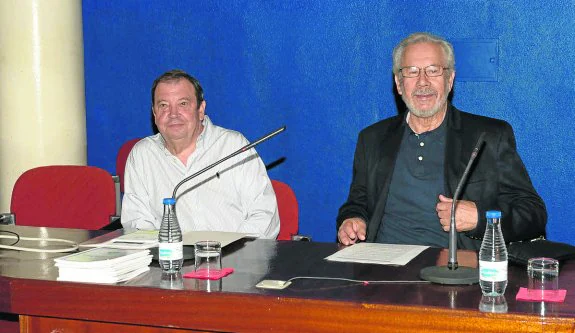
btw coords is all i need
(208, 285)
(543, 274)
(208, 257)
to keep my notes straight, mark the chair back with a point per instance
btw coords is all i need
(64, 196)
(288, 210)
(121, 159)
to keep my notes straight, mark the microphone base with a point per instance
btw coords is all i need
(444, 275)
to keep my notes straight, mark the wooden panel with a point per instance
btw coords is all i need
(9, 324)
(43, 325)
(245, 313)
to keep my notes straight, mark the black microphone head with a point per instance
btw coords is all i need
(480, 141)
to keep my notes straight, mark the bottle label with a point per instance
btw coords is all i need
(493, 271)
(171, 251)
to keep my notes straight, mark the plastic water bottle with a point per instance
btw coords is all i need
(171, 244)
(493, 257)
(493, 304)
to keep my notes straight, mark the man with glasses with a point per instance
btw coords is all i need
(406, 168)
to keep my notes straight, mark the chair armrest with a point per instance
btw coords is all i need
(116, 180)
(301, 238)
(7, 218)
(115, 223)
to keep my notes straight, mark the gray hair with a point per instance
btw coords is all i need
(422, 37)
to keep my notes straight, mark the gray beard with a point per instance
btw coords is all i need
(423, 113)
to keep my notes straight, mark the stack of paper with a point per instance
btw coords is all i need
(145, 239)
(140, 239)
(103, 265)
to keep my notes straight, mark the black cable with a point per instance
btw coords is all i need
(14, 234)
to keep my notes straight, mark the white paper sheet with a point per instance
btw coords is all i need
(375, 253)
(144, 239)
(224, 237)
(139, 239)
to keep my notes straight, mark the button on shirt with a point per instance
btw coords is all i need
(417, 181)
(236, 195)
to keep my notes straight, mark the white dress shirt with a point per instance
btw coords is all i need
(236, 195)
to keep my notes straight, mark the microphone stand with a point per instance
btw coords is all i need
(453, 273)
(239, 151)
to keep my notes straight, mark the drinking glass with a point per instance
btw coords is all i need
(543, 276)
(208, 258)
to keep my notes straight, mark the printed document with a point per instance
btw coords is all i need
(375, 253)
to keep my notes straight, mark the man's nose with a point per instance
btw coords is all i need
(422, 79)
(173, 111)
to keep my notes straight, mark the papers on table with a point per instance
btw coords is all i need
(224, 237)
(139, 239)
(145, 239)
(103, 265)
(375, 253)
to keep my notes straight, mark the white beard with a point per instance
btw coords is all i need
(426, 113)
(423, 113)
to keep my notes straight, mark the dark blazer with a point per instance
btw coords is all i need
(498, 180)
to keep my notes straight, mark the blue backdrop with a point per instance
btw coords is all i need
(323, 68)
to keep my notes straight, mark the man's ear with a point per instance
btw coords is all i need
(202, 110)
(451, 80)
(398, 84)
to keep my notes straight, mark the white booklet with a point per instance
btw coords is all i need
(98, 278)
(100, 257)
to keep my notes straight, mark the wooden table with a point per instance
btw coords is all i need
(152, 303)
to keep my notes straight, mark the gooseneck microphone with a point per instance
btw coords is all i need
(239, 151)
(452, 263)
(453, 273)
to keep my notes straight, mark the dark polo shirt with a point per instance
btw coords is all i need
(417, 181)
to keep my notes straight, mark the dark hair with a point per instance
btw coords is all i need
(176, 75)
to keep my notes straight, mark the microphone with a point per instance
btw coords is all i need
(452, 273)
(239, 151)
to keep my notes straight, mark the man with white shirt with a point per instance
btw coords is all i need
(236, 196)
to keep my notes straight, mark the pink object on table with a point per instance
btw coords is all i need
(557, 296)
(213, 274)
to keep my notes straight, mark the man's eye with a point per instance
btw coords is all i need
(412, 70)
(184, 103)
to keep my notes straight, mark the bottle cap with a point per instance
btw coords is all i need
(493, 214)
(169, 201)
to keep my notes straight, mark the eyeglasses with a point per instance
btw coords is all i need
(430, 71)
